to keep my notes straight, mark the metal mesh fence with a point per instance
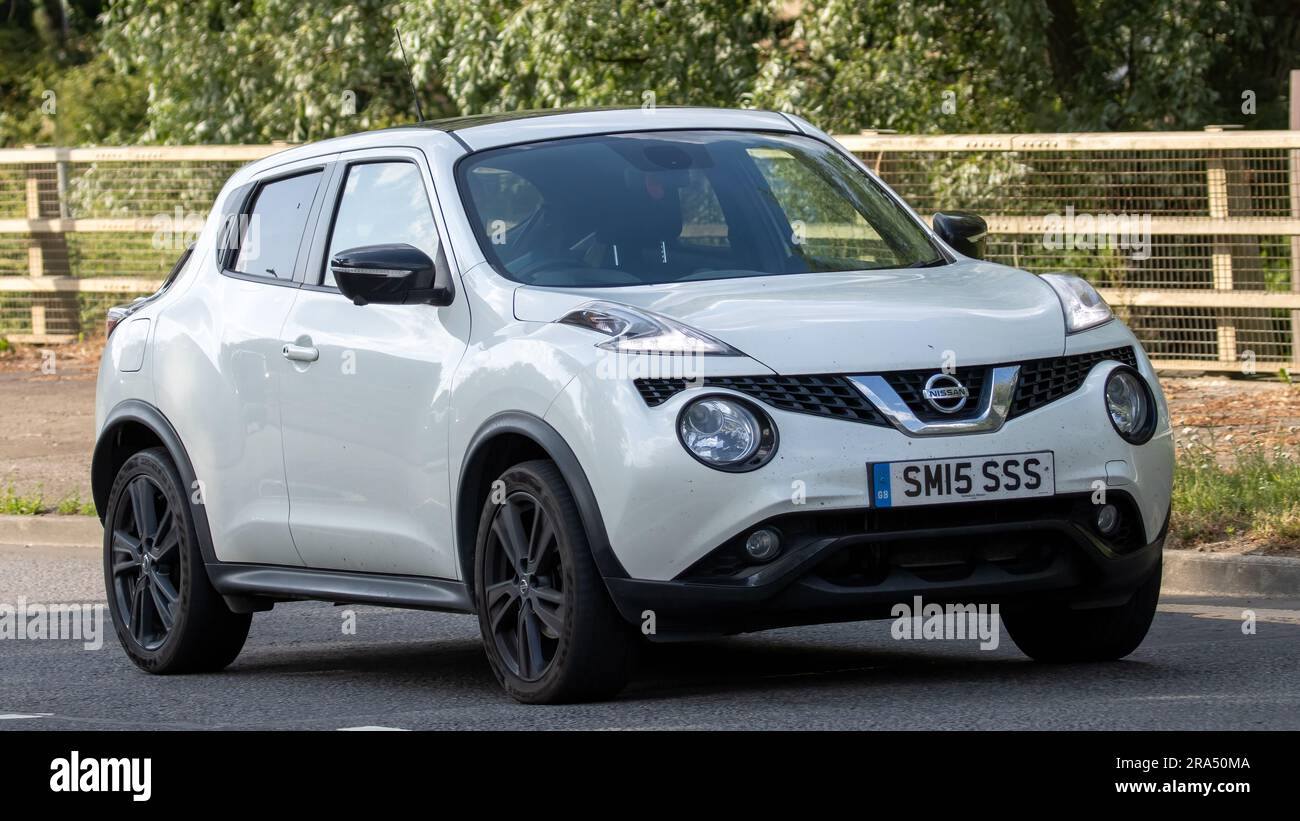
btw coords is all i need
(13, 192)
(13, 254)
(1034, 183)
(71, 315)
(1206, 223)
(146, 256)
(1208, 271)
(101, 190)
(1262, 335)
(83, 229)
(1259, 263)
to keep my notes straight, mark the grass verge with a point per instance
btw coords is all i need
(32, 504)
(1257, 494)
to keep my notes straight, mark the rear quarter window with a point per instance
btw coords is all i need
(273, 227)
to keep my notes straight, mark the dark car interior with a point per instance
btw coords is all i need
(649, 209)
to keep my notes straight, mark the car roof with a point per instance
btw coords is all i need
(484, 131)
(464, 122)
(477, 133)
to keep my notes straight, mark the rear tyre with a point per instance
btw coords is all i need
(166, 613)
(1059, 634)
(551, 633)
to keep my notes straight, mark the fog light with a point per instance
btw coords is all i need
(763, 545)
(1108, 519)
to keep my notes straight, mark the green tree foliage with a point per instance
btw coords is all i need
(911, 65)
(179, 71)
(55, 85)
(258, 70)
(504, 55)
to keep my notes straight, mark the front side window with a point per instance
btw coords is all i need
(382, 203)
(272, 229)
(645, 209)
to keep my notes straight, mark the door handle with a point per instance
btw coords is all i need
(301, 353)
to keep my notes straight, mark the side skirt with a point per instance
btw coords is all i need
(252, 587)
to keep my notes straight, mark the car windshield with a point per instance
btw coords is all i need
(653, 208)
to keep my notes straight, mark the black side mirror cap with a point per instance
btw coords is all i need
(392, 274)
(965, 232)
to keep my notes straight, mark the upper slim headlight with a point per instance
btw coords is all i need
(727, 434)
(1084, 308)
(634, 330)
(1130, 404)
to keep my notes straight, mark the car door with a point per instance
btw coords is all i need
(223, 368)
(366, 407)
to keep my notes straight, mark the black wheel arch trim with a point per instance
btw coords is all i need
(550, 440)
(142, 413)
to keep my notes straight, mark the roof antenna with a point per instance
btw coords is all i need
(415, 95)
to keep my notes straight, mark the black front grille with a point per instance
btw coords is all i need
(1041, 381)
(909, 384)
(655, 392)
(1046, 380)
(831, 396)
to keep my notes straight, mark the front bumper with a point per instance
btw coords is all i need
(1013, 554)
(664, 511)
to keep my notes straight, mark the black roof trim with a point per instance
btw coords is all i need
(454, 124)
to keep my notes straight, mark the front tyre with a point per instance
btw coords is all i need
(551, 633)
(166, 613)
(1059, 634)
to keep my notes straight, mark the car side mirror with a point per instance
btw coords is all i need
(393, 274)
(965, 232)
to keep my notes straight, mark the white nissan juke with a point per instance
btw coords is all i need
(603, 377)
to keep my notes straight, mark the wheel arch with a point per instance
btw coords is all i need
(132, 426)
(508, 439)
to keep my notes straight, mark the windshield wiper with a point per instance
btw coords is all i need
(931, 263)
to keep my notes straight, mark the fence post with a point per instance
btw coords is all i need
(1216, 180)
(1295, 212)
(35, 249)
(47, 252)
(62, 172)
(35, 255)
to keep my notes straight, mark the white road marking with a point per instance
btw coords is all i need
(647, 728)
(373, 728)
(1208, 611)
(21, 716)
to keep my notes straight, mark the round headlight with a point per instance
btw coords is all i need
(726, 434)
(1130, 405)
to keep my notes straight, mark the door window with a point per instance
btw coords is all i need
(382, 203)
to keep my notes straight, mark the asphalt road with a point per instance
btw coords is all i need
(413, 670)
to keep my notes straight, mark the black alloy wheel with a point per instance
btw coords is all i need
(524, 591)
(551, 632)
(166, 613)
(146, 568)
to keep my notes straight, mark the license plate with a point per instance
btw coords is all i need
(965, 479)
